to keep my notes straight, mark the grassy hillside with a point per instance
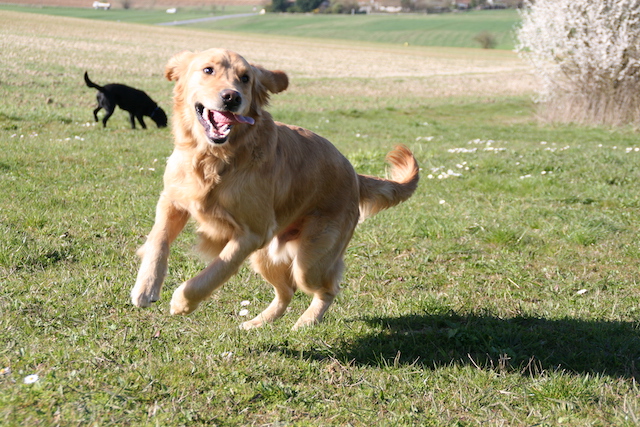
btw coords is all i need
(447, 30)
(450, 30)
(504, 292)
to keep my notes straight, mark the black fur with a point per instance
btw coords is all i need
(134, 101)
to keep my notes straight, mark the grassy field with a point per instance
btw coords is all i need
(503, 293)
(449, 30)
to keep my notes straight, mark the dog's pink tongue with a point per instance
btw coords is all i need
(228, 118)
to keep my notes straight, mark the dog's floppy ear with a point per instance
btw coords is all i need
(267, 81)
(275, 81)
(177, 65)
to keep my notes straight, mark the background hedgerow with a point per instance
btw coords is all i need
(587, 57)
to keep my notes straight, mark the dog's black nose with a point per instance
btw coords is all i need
(231, 99)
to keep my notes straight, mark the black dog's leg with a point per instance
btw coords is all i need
(140, 120)
(133, 120)
(109, 106)
(106, 117)
(95, 112)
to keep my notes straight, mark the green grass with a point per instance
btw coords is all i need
(503, 296)
(448, 30)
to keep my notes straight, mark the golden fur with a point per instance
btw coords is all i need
(279, 194)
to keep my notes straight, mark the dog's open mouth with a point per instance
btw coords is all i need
(217, 124)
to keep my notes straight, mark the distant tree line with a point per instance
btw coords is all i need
(323, 6)
(351, 6)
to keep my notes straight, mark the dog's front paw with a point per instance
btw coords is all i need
(180, 304)
(142, 296)
(251, 324)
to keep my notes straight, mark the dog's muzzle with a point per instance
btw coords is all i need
(217, 124)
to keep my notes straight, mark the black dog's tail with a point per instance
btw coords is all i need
(92, 84)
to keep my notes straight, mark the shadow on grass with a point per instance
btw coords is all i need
(525, 344)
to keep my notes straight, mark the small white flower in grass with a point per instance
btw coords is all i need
(227, 355)
(30, 379)
(243, 312)
(245, 303)
(5, 371)
(525, 176)
(442, 201)
(581, 292)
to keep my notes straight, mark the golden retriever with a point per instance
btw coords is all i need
(279, 194)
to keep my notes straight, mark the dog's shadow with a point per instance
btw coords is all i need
(522, 344)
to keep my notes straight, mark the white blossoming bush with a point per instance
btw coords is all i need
(587, 55)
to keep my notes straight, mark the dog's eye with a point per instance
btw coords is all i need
(245, 79)
(208, 70)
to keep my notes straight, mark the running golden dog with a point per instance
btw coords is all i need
(279, 194)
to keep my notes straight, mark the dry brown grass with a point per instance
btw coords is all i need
(421, 71)
(141, 4)
(615, 108)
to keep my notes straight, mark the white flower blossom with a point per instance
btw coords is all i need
(30, 379)
(584, 48)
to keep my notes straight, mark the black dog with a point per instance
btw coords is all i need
(134, 101)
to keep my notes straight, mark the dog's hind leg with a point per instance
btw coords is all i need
(169, 222)
(106, 118)
(279, 275)
(95, 113)
(317, 266)
(105, 102)
(323, 284)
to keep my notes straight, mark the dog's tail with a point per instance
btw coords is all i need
(377, 194)
(92, 84)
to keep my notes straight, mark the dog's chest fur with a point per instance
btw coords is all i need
(214, 191)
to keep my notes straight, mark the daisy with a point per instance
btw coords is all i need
(30, 379)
